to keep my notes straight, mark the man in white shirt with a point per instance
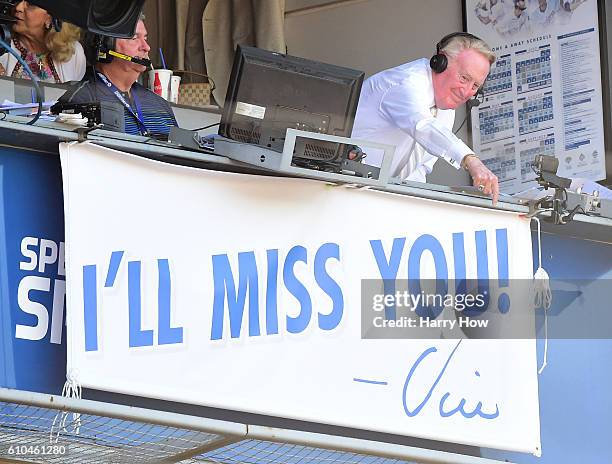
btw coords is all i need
(412, 106)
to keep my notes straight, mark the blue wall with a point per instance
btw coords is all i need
(575, 388)
(31, 205)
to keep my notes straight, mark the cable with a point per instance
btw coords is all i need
(207, 127)
(462, 123)
(34, 79)
(473, 102)
(570, 216)
(542, 294)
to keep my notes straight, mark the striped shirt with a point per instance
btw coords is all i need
(156, 113)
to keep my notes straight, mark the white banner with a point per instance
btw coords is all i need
(243, 292)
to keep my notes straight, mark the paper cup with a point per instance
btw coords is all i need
(159, 82)
(175, 83)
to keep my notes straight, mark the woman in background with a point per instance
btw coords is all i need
(52, 56)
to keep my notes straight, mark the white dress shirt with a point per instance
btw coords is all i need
(397, 107)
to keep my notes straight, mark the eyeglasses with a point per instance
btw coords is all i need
(467, 79)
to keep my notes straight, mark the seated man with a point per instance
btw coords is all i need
(146, 113)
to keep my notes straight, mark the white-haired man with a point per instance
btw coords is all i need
(412, 106)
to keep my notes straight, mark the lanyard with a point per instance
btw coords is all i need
(142, 128)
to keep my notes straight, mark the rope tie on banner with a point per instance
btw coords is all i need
(542, 294)
(72, 389)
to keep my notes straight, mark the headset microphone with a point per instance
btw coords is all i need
(101, 49)
(473, 102)
(476, 100)
(133, 59)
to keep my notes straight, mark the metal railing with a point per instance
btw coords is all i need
(41, 428)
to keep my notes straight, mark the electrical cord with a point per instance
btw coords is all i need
(570, 216)
(462, 123)
(472, 103)
(34, 79)
(207, 127)
(564, 216)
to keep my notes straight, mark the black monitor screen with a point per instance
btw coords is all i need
(270, 92)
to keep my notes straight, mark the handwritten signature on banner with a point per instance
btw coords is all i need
(442, 403)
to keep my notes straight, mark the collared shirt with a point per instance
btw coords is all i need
(156, 113)
(395, 107)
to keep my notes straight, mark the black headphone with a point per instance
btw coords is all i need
(105, 45)
(102, 49)
(439, 61)
(97, 47)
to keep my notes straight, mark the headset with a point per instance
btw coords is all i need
(105, 45)
(101, 49)
(439, 61)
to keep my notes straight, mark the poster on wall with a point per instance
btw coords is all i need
(543, 94)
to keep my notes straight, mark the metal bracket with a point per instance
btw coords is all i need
(84, 131)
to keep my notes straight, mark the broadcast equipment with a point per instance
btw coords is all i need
(114, 18)
(270, 92)
(6, 20)
(108, 114)
(545, 168)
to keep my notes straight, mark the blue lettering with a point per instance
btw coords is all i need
(467, 414)
(459, 262)
(138, 337)
(113, 268)
(427, 243)
(298, 290)
(90, 301)
(224, 285)
(272, 293)
(460, 408)
(328, 285)
(482, 274)
(388, 268)
(503, 272)
(167, 335)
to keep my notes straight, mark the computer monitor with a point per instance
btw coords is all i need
(270, 92)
